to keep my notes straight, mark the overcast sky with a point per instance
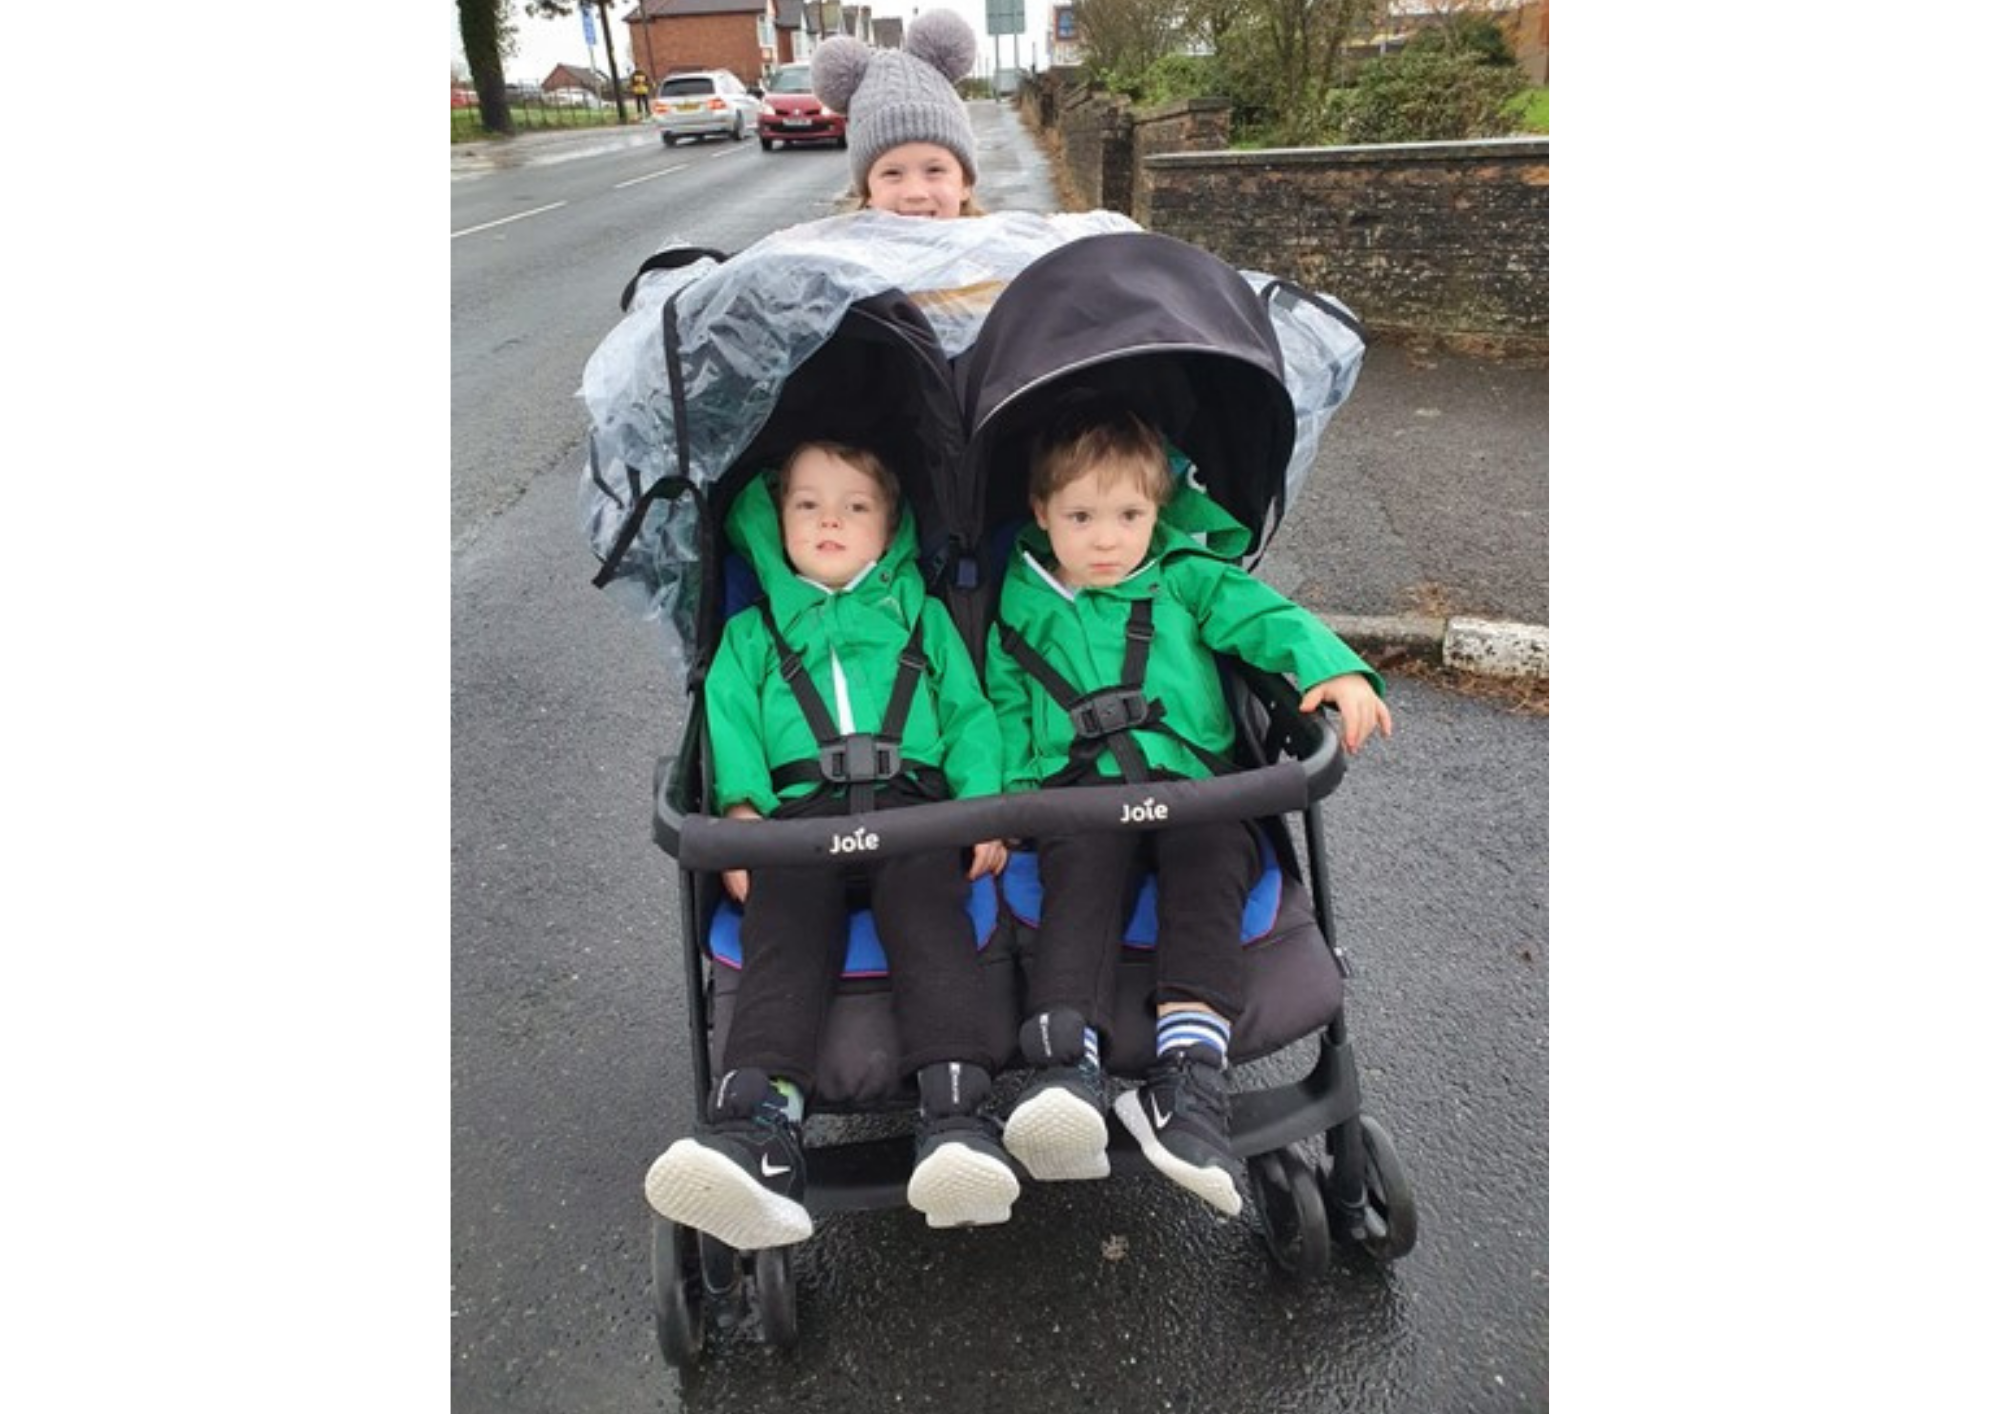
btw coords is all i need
(545, 43)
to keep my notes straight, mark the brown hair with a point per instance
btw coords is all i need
(1102, 439)
(860, 458)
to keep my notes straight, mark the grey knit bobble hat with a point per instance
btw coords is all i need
(894, 96)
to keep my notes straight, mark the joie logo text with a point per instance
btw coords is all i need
(861, 840)
(1144, 810)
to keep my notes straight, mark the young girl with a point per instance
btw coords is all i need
(1110, 591)
(908, 135)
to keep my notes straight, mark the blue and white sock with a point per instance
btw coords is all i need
(1090, 1046)
(1179, 1029)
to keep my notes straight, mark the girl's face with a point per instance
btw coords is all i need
(918, 179)
(1100, 526)
(836, 519)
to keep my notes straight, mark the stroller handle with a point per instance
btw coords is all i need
(706, 842)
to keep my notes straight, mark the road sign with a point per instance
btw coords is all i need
(1006, 17)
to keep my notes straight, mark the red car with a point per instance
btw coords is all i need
(790, 113)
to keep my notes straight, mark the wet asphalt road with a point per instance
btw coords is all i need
(570, 1067)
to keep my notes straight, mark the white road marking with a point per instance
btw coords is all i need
(663, 172)
(517, 216)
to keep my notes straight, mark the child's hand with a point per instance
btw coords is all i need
(737, 881)
(1361, 711)
(988, 857)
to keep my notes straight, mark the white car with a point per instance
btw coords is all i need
(703, 103)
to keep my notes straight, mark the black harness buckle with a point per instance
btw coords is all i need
(860, 759)
(1109, 710)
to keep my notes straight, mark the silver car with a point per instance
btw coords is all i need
(703, 103)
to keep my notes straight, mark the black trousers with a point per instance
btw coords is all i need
(795, 939)
(1089, 884)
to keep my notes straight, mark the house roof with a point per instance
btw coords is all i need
(675, 9)
(574, 75)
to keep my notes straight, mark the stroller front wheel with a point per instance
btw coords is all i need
(1293, 1213)
(676, 1294)
(1385, 1227)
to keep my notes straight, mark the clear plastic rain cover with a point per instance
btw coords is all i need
(746, 324)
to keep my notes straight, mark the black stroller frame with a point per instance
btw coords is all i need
(1207, 368)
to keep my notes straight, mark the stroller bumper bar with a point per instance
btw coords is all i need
(706, 842)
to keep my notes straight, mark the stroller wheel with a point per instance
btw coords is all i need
(721, 1269)
(777, 1302)
(1388, 1219)
(1293, 1213)
(676, 1294)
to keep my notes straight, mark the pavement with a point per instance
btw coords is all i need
(1424, 527)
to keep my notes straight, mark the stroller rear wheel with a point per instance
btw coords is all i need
(677, 1281)
(777, 1300)
(1386, 1225)
(1293, 1213)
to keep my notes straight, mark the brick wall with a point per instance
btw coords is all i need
(1434, 239)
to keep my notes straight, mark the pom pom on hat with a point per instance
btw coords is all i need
(894, 96)
(837, 67)
(942, 39)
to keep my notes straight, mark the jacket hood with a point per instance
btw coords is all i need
(754, 530)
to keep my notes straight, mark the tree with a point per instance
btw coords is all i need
(486, 29)
(1125, 37)
(1283, 57)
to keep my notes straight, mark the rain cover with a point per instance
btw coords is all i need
(744, 325)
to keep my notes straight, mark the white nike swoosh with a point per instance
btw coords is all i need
(1160, 1121)
(770, 1172)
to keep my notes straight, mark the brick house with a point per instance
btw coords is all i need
(737, 35)
(576, 76)
(802, 23)
(747, 37)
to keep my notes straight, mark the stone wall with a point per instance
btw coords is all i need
(1434, 239)
(1446, 240)
(1094, 140)
(1195, 125)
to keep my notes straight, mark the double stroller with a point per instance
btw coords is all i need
(943, 350)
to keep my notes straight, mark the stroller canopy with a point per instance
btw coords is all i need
(1189, 342)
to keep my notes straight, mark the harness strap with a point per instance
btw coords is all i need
(859, 761)
(1106, 719)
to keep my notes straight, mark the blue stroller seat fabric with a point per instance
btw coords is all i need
(865, 957)
(1023, 888)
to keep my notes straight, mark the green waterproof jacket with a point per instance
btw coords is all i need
(1202, 605)
(754, 720)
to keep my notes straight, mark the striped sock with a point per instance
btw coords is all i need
(1177, 1029)
(1090, 1046)
(795, 1099)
